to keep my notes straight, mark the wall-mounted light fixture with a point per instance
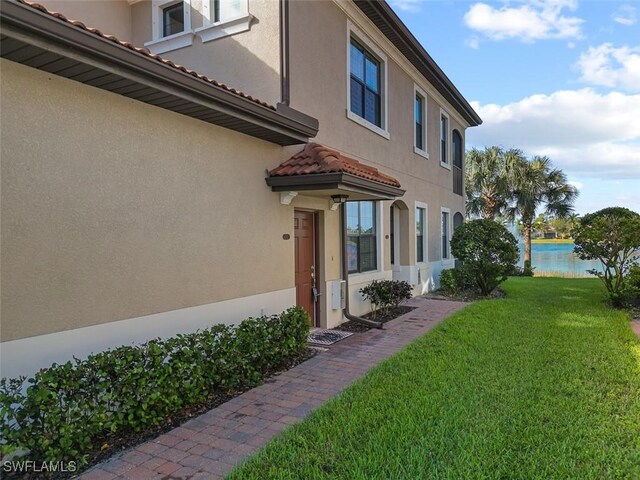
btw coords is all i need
(337, 200)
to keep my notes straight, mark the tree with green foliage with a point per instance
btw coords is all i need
(611, 235)
(488, 252)
(536, 184)
(488, 180)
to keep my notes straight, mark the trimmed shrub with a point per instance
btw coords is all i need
(67, 409)
(454, 280)
(611, 235)
(631, 290)
(488, 252)
(385, 294)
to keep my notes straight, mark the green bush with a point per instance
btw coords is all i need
(386, 294)
(67, 409)
(631, 289)
(611, 235)
(488, 253)
(454, 280)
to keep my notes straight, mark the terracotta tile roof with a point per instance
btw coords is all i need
(316, 159)
(143, 51)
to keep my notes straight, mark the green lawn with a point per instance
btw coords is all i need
(542, 384)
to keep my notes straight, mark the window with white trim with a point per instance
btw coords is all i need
(420, 121)
(171, 27)
(222, 18)
(444, 139)
(362, 252)
(366, 82)
(421, 234)
(446, 254)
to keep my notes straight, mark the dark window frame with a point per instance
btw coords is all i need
(356, 238)
(421, 217)
(364, 85)
(444, 138)
(166, 11)
(419, 111)
(444, 226)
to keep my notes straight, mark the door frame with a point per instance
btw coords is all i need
(315, 321)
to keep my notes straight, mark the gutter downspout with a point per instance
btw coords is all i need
(285, 92)
(345, 272)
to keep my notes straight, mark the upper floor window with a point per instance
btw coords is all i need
(457, 163)
(361, 236)
(365, 84)
(444, 139)
(173, 19)
(418, 111)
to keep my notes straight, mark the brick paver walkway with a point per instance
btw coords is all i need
(635, 327)
(208, 446)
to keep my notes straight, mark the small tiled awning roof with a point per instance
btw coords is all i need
(317, 167)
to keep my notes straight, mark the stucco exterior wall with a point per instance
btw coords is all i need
(321, 91)
(113, 209)
(248, 61)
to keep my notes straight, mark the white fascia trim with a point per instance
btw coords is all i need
(161, 44)
(225, 29)
(419, 91)
(353, 31)
(27, 355)
(447, 140)
(425, 236)
(450, 258)
(358, 18)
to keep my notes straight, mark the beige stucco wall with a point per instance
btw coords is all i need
(322, 92)
(248, 61)
(113, 209)
(111, 16)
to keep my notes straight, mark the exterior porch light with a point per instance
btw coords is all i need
(337, 200)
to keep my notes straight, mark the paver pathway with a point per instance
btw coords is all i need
(208, 446)
(635, 327)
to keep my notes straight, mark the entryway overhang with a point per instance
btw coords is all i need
(319, 171)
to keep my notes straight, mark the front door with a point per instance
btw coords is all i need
(304, 234)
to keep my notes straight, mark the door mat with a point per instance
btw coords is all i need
(321, 336)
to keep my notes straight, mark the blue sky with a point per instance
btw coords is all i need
(552, 77)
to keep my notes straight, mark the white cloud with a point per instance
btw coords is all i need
(578, 185)
(473, 42)
(407, 5)
(611, 67)
(526, 20)
(625, 15)
(585, 133)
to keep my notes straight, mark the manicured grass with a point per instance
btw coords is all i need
(552, 240)
(542, 384)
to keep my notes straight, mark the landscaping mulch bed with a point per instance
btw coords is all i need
(463, 296)
(121, 441)
(392, 314)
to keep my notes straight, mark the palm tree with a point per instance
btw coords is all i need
(488, 180)
(536, 184)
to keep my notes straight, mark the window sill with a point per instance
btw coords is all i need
(172, 42)
(227, 28)
(445, 165)
(422, 153)
(366, 124)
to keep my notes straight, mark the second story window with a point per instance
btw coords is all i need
(419, 117)
(173, 19)
(365, 85)
(444, 139)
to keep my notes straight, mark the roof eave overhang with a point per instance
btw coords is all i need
(386, 20)
(334, 181)
(63, 49)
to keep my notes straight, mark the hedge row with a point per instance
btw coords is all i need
(68, 408)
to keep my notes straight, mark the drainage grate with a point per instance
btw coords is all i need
(322, 336)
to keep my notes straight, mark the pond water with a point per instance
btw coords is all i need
(550, 258)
